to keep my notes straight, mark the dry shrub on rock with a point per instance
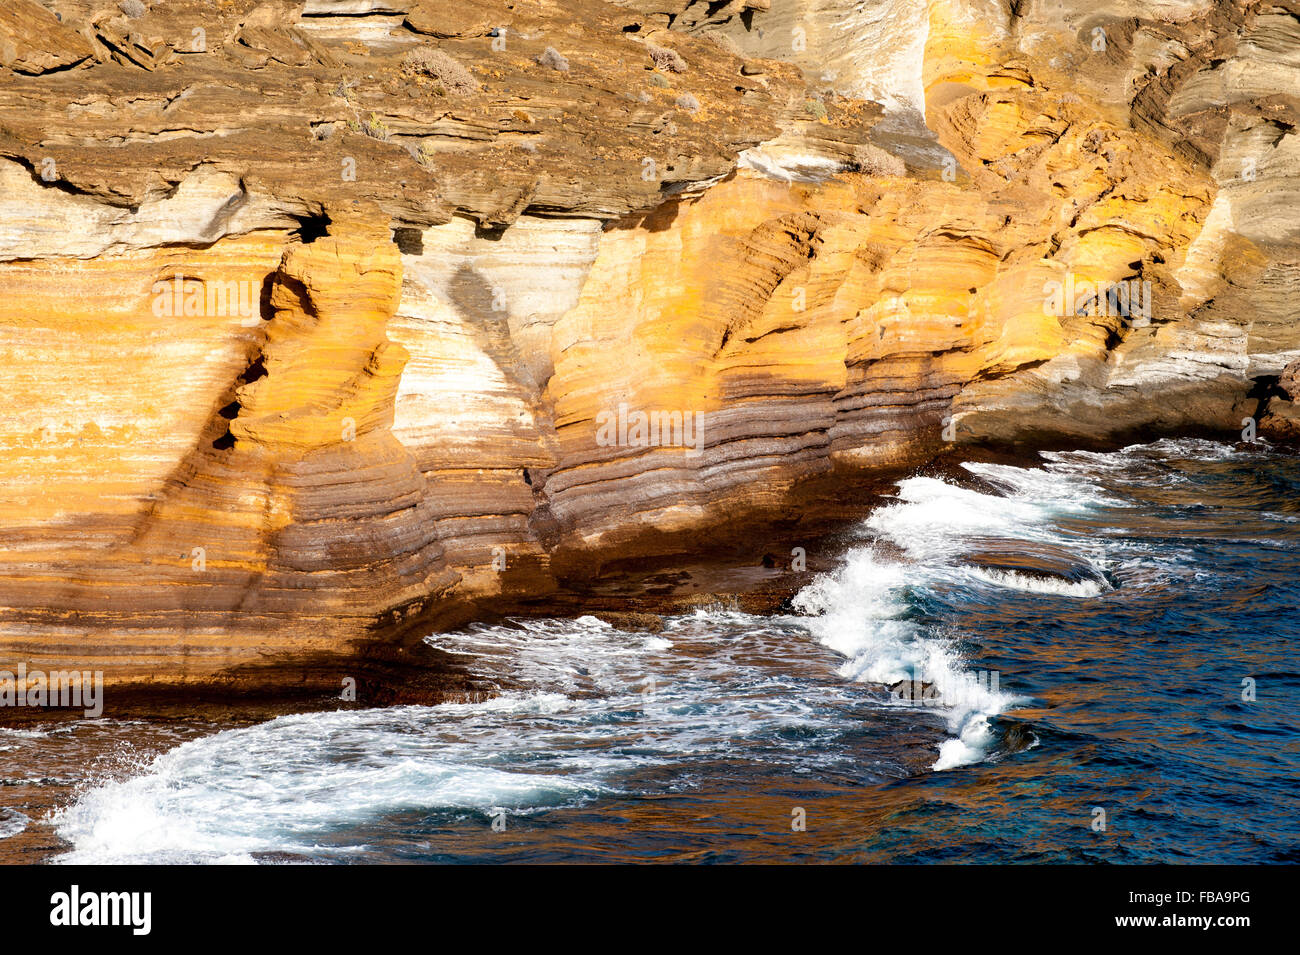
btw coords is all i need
(554, 59)
(670, 61)
(449, 74)
(875, 161)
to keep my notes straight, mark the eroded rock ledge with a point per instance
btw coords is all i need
(316, 340)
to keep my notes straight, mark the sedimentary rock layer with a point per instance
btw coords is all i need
(316, 339)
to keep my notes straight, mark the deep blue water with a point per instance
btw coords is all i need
(1083, 630)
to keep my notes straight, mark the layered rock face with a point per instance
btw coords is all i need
(328, 324)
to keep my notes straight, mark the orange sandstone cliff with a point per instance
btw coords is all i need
(327, 324)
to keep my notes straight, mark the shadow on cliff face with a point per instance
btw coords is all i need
(658, 219)
(409, 241)
(472, 295)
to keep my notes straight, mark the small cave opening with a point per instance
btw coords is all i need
(225, 442)
(255, 371)
(492, 232)
(1263, 390)
(311, 227)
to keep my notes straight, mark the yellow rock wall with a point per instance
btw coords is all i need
(410, 427)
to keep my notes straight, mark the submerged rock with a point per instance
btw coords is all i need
(1017, 737)
(648, 622)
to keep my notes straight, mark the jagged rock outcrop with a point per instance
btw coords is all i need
(318, 340)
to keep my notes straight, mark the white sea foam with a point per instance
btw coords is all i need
(285, 785)
(864, 610)
(1033, 584)
(861, 612)
(608, 704)
(12, 822)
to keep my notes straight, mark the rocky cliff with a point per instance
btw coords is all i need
(325, 324)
